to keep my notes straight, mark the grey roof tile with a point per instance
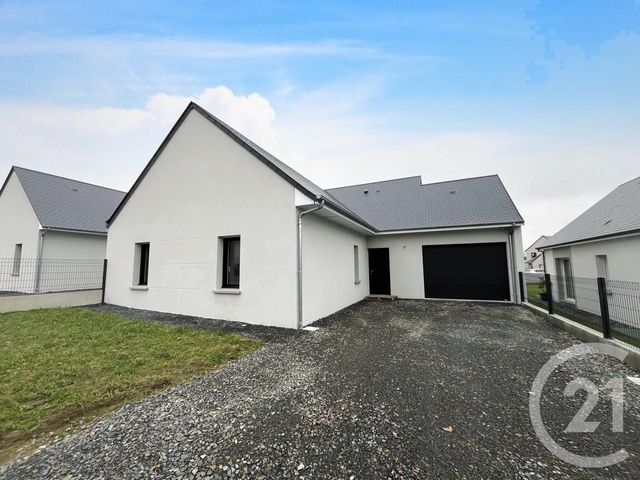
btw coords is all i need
(63, 203)
(407, 204)
(618, 212)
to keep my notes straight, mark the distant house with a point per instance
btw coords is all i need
(533, 258)
(602, 242)
(44, 216)
(217, 227)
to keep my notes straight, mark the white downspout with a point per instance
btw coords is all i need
(300, 215)
(41, 234)
(514, 268)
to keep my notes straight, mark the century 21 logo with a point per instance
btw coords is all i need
(580, 423)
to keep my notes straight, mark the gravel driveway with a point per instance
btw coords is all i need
(405, 389)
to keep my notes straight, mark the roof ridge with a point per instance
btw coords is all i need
(16, 167)
(628, 181)
(379, 181)
(462, 179)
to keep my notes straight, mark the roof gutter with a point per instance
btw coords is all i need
(612, 236)
(449, 229)
(299, 299)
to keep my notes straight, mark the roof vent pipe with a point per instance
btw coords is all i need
(300, 215)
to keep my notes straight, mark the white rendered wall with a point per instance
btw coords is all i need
(18, 224)
(18, 221)
(405, 254)
(328, 268)
(74, 245)
(623, 258)
(203, 186)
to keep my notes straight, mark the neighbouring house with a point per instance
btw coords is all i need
(217, 227)
(45, 217)
(602, 242)
(533, 258)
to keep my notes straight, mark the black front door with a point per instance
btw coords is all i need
(470, 272)
(379, 278)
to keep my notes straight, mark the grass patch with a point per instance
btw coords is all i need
(535, 289)
(59, 365)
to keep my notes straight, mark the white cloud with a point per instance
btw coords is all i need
(329, 136)
(130, 45)
(110, 146)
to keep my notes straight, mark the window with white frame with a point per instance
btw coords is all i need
(565, 279)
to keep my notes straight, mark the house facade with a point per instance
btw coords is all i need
(602, 242)
(217, 227)
(46, 217)
(533, 258)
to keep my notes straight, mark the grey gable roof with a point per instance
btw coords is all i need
(67, 204)
(617, 213)
(407, 204)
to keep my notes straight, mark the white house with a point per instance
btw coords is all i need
(46, 217)
(217, 227)
(602, 242)
(533, 258)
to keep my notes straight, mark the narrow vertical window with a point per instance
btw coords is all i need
(142, 259)
(602, 266)
(568, 279)
(17, 259)
(356, 264)
(231, 262)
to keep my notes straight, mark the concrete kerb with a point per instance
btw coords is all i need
(587, 335)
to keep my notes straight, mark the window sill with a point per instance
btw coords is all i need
(139, 288)
(571, 301)
(227, 291)
(14, 274)
(357, 282)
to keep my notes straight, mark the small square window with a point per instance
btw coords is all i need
(231, 262)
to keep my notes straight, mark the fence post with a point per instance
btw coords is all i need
(547, 280)
(104, 279)
(521, 277)
(604, 307)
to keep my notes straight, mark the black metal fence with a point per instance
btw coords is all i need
(608, 306)
(25, 276)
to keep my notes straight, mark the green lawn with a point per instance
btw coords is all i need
(59, 365)
(535, 289)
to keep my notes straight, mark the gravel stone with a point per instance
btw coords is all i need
(404, 389)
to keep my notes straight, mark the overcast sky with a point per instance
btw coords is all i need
(546, 94)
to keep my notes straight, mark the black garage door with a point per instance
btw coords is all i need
(475, 272)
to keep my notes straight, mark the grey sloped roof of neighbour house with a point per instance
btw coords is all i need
(407, 204)
(67, 204)
(615, 214)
